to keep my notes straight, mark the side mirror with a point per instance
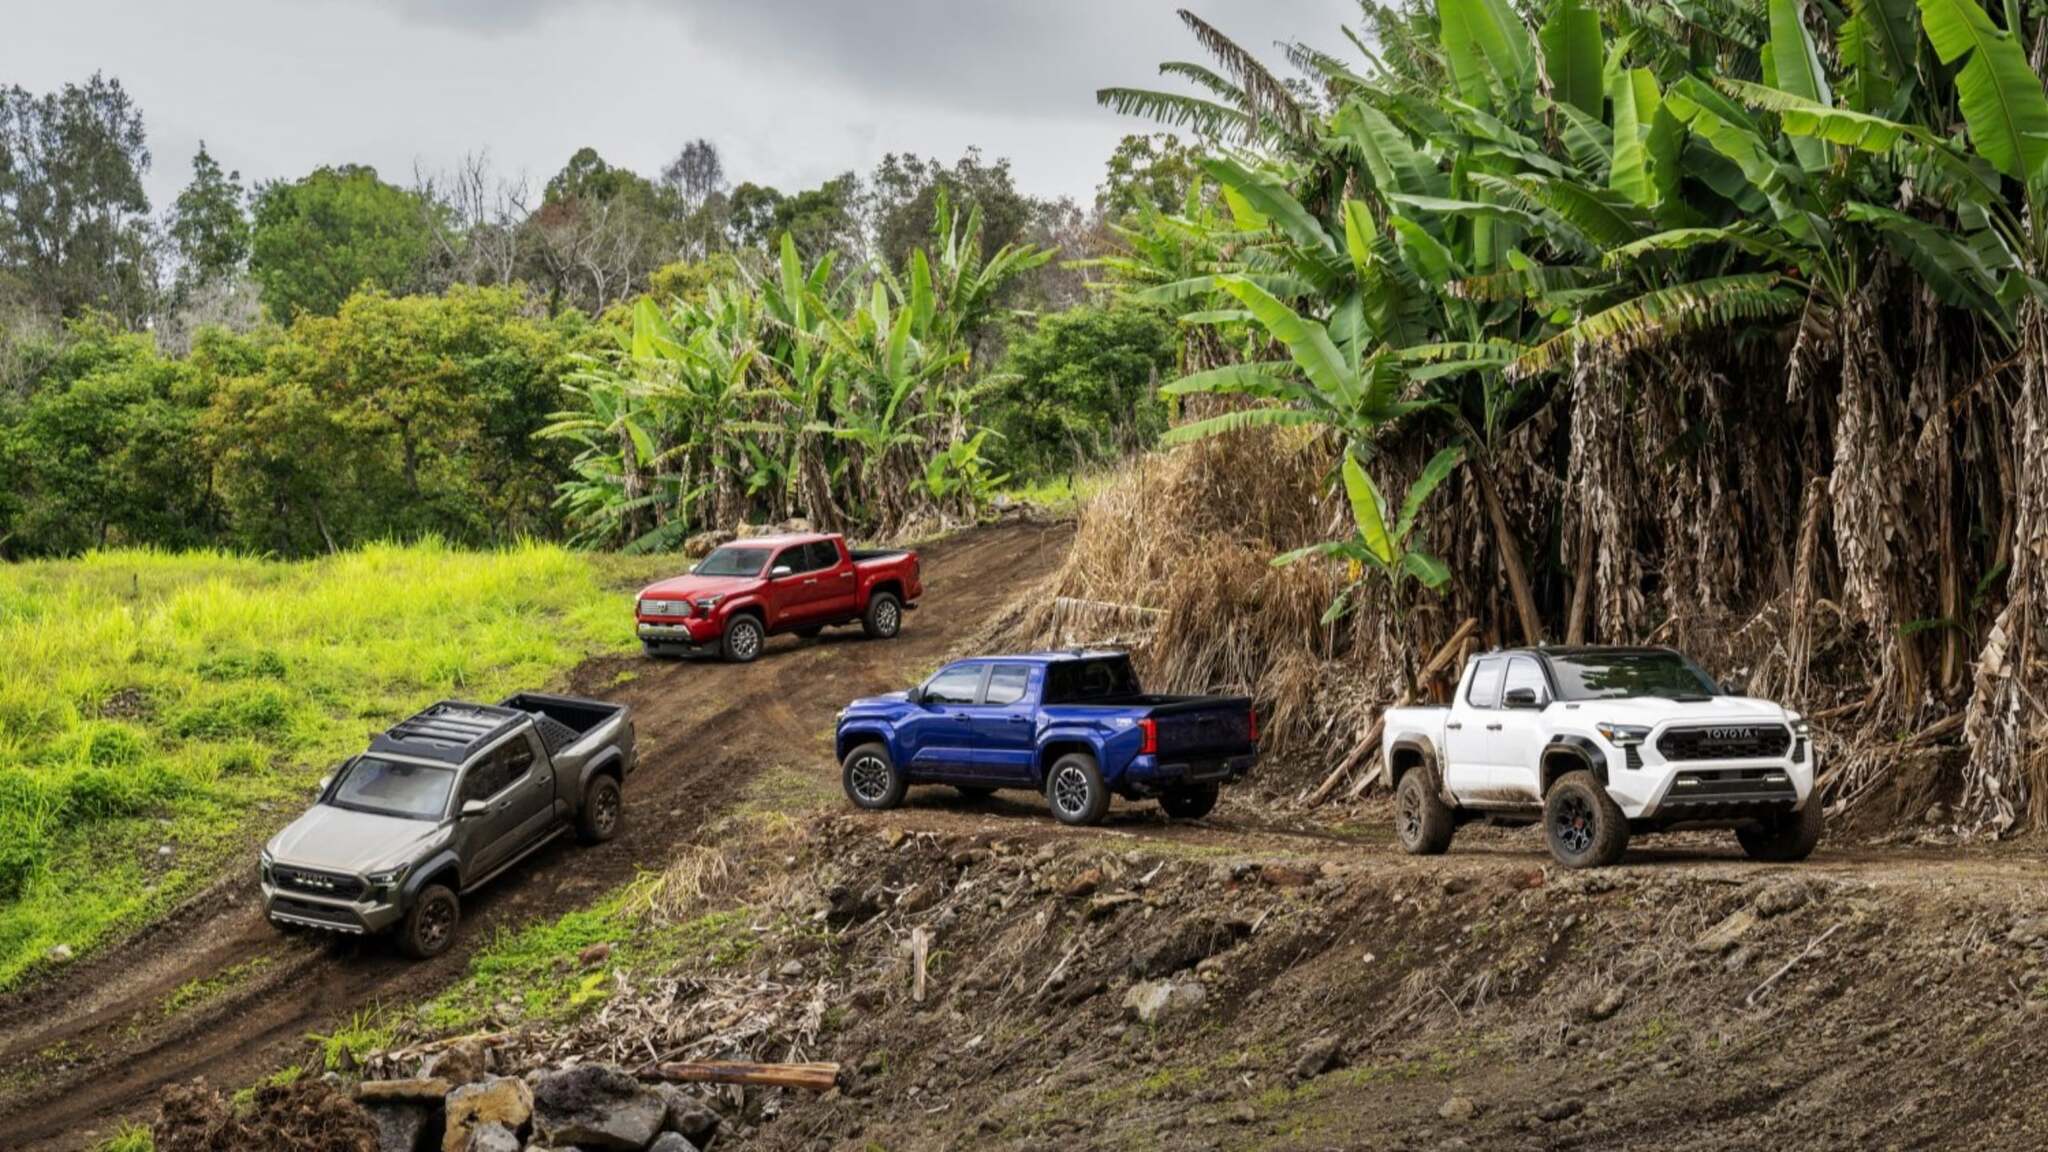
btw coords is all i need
(321, 788)
(915, 695)
(1730, 688)
(474, 808)
(779, 571)
(1522, 698)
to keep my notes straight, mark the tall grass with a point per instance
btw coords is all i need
(152, 701)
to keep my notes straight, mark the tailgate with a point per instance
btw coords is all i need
(1206, 729)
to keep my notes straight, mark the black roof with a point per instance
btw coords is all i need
(450, 732)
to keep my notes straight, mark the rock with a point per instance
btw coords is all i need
(596, 1106)
(1458, 1109)
(1558, 1110)
(493, 1138)
(403, 1126)
(1109, 903)
(1286, 876)
(1779, 899)
(1606, 1004)
(1083, 885)
(704, 542)
(1526, 881)
(165, 852)
(671, 1142)
(920, 897)
(1188, 943)
(1317, 1057)
(594, 955)
(847, 907)
(686, 1114)
(501, 1101)
(1156, 1001)
(791, 969)
(459, 1063)
(427, 1089)
(1723, 936)
(58, 953)
(2028, 933)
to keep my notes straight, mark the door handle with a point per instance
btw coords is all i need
(1455, 725)
(1493, 727)
(811, 581)
(1020, 719)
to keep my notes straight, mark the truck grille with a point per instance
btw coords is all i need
(1714, 791)
(1725, 742)
(335, 884)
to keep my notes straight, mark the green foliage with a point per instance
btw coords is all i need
(154, 700)
(209, 226)
(318, 240)
(129, 1138)
(1082, 386)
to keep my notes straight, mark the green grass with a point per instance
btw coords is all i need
(131, 1138)
(194, 993)
(1063, 493)
(151, 700)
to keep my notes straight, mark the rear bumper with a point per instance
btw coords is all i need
(1150, 775)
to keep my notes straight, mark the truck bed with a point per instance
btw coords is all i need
(863, 555)
(563, 721)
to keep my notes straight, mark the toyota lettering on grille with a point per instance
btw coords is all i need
(1731, 734)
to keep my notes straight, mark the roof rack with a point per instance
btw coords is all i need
(449, 732)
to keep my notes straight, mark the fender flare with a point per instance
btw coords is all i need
(1090, 738)
(1409, 742)
(869, 732)
(610, 760)
(416, 879)
(1582, 747)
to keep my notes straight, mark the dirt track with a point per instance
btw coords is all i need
(91, 1047)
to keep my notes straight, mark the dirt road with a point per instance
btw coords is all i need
(83, 1051)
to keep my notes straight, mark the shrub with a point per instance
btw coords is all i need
(260, 711)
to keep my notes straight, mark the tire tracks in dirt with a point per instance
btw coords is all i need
(90, 1047)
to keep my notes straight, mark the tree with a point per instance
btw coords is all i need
(1154, 170)
(904, 193)
(1082, 386)
(317, 240)
(209, 227)
(74, 228)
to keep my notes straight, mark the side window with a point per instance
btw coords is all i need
(824, 554)
(790, 558)
(1008, 684)
(957, 685)
(518, 759)
(485, 778)
(1485, 690)
(1523, 673)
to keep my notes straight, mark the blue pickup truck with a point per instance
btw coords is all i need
(1072, 726)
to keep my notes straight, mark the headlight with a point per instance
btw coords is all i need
(1799, 725)
(264, 863)
(388, 878)
(1622, 735)
(706, 603)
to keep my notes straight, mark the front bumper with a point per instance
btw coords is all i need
(693, 632)
(1150, 775)
(367, 916)
(1723, 791)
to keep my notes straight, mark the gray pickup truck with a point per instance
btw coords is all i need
(442, 803)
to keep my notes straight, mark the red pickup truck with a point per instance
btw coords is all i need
(749, 590)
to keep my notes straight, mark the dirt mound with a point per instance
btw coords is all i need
(309, 1116)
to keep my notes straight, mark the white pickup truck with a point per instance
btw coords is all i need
(1599, 743)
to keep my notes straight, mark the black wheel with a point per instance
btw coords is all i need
(1583, 825)
(429, 928)
(1786, 838)
(871, 778)
(1423, 823)
(975, 792)
(743, 639)
(1075, 791)
(811, 633)
(884, 616)
(1189, 801)
(603, 810)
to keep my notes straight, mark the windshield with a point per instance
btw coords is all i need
(732, 562)
(394, 788)
(1614, 675)
(1090, 681)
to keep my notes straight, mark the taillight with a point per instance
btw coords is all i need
(1253, 713)
(1148, 729)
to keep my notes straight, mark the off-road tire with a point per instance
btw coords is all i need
(604, 809)
(974, 793)
(812, 632)
(871, 778)
(429, 928)
(1582, 824)
(1189, 801)
(1075, 792)
(884, 617)
(1423, 823)
(1786, 838)
(744, 639)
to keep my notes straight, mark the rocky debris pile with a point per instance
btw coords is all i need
(454, 1105)
(308, 1116)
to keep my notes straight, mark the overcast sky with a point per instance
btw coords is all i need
(792, 91)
